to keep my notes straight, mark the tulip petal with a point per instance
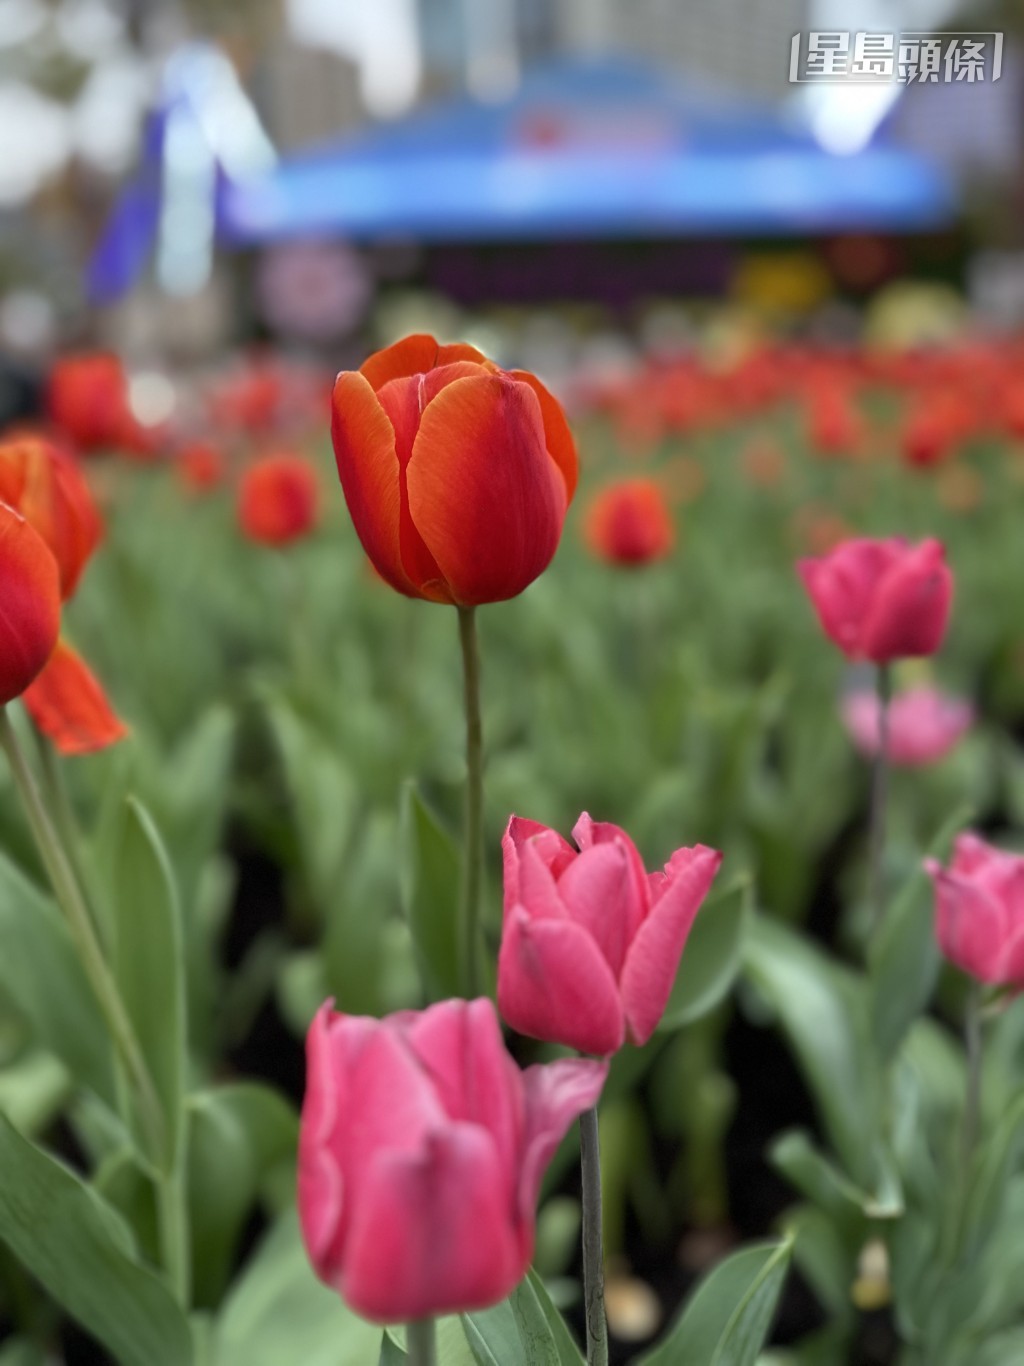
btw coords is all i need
(459, 1044)
(547, 848)
(483, 492)
(556, 1094)
(403, 401)
(414, 355)
(68, 704)
(910, 606)
(364, 447)
(597, 889)
(588, 833)
(560, 443)
(433, 1232)
(841, 586)
(653, 957)
(554, 984)
(29, 604)
(970, 925)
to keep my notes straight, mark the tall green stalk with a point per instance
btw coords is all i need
(593, 1242)
(473, 851)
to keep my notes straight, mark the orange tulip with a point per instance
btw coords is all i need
(201, 466)
(45, 485)
(457, 474)
(277, 501)
(628, 523)
(29, 603)
(68, 704)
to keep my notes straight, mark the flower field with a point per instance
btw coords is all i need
(772, 642)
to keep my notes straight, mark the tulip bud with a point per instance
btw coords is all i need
(979, 911)
(421, 1152)
(30, 600)
(628, 523)
(881, 599)
(277, 501)
(923, 724)
(457, 474)
(46, 486)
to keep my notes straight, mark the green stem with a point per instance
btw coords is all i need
(972, 1098)
(72, 903)
(473, 853)
(172, 1219)
(593, 1249)
(879, 799)
(58, 805)
(420, 1343)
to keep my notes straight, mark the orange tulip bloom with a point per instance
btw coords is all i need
(68, 704)
(29, 604)
(628, 523)
(278, 498)
(45, 485)
(457, 474)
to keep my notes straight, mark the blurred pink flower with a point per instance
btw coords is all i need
(924, 724)
(979, 911)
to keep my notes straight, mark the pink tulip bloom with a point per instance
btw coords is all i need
(881, 600)
(979, 911)
(591, 942)
(924, 724)
(421, 1152)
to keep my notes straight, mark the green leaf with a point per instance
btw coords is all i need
(41, 974)
(430, 894)
(74, 1244)
(279, 1312)
(904, 960)
(822, 1007)
(524, 1330)
(728, 1318)
(712, 955)
(814, 1176)
(995, 1164)
(390, 1353)
(148, 966)
(236, 1133)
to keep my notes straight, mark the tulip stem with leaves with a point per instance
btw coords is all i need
(593, 1244)
(473, 854)
(880, 798)
(421, 1343)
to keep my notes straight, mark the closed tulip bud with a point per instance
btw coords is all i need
(457, 474)
(201, 466)
(979, 911)
(923, 724)
(68, 704)
(421, 1152)
(628, 523)
(46, 486)
(591, 942)
(30, 600)
(278, 500)
(881, 599)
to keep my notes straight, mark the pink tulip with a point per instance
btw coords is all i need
(979, 911)
(924, 724)
(591, 942)
(881, 600)
(421, 1152)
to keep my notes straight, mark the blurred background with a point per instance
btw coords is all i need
(177, 177)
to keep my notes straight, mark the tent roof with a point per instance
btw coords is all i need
(585, 148)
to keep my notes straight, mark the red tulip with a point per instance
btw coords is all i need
(29, 603)
(201, 466)
(881, 600)
(45, 485)
(278, 498)
(979, 911)
(923, 724)
(421, 1152)
(628, 523)
(457, 474)
(88, 399)
(67, 703)
(591, 942)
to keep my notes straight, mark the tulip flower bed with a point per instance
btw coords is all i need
(331, 1031)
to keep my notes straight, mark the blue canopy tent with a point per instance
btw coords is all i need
(584, 149)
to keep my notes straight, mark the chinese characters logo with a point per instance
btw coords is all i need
(906, 58)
